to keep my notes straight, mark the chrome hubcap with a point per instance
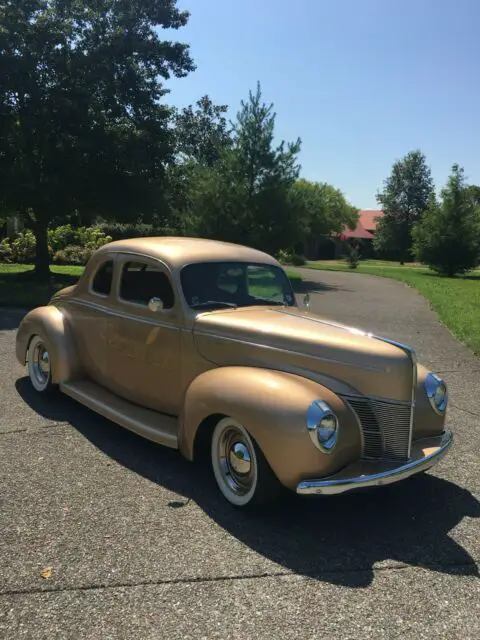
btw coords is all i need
(41, 364)
(239, 459)
(236, 461)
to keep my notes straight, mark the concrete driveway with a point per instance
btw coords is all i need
(140, 547)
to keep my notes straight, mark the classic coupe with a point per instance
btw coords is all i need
(202, 346)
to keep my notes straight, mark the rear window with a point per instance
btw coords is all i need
(102, 281)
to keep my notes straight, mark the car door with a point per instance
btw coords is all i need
(143, 345)
(89, 313)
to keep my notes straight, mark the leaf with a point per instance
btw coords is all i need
(46, 573)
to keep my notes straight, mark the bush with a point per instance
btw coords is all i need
(90, 237)
(298, 261)
(286, 256)
(6, 253)
(68, 245)
(123, 231)
(62, 236)
(353, 256)
(23, 247)
(73, 254)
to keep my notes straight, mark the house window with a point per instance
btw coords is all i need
(102, 282)
(140, 282)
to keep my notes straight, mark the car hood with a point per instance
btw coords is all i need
(291, 339)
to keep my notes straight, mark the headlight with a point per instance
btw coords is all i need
(437, 393)
(322, 424)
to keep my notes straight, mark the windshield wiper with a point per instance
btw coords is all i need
(209, 303)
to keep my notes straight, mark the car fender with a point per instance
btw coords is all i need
(272, 405)
(52, 326)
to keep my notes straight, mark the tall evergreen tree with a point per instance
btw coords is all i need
(245, 197)
(447, 238)
(406, 195)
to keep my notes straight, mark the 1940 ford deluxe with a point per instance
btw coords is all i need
(201, 346)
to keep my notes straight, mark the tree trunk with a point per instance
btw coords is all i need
(42, 257)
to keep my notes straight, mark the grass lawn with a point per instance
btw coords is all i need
(17, 289)
(456, 300)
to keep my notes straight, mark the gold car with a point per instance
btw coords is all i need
(201, 346)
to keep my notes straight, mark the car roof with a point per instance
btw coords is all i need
(179, 251)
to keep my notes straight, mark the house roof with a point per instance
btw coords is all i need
(367, 222)
(369, 218)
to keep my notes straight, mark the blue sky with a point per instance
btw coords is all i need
(361, 82)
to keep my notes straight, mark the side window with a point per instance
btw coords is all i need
(140, 282)
(102, 281)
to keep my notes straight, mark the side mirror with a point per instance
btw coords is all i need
(155, 304)
(306, 300)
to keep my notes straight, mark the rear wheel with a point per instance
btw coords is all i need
(39, 366)
(243, 475)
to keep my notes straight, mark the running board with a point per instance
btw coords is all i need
(145, 422)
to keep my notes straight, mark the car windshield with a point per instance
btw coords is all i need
(216, 285)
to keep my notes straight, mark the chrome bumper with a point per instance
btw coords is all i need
(425, 454)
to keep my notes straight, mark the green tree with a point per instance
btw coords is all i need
(202, 135)
(321, 209)
(245, 196)
(202, 132)
(83, 127)
(406, 195)
(447, 238)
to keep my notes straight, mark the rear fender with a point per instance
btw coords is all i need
(52, 326)
(272, 405)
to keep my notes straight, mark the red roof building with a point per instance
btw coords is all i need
(366, 225)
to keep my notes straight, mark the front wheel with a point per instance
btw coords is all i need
(243, 475)
(39, 366)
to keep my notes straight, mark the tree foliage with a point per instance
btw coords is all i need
(245, 196)
(202, 132)
(83, 127)
(321, 209)
(407, 193)
(447, 238)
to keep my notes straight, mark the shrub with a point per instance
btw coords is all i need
(287, 256)
(123, 231)
(298, 261)
(6, 252)
(353, 256)
(62, 236)
(23, 247)
(90, 237)
(73, 254)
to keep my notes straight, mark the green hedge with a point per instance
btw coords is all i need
(67, 245)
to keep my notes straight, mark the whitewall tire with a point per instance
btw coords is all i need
(240, 469)
(39, 365)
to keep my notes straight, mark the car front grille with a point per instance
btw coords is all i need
(385, 427)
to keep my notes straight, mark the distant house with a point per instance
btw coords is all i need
(330, 248)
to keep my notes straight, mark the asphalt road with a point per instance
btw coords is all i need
(141, 547)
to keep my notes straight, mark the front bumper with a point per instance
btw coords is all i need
(425, 454)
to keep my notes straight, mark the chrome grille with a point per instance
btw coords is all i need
(385, 428)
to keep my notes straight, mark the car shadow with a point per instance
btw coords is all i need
(10, 318)
(340, 540)
(308, 286)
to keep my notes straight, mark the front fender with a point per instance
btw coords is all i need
(52, 326)
(272, 405)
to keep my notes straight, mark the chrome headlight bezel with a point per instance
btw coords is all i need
(322, 425)
(437, 393)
